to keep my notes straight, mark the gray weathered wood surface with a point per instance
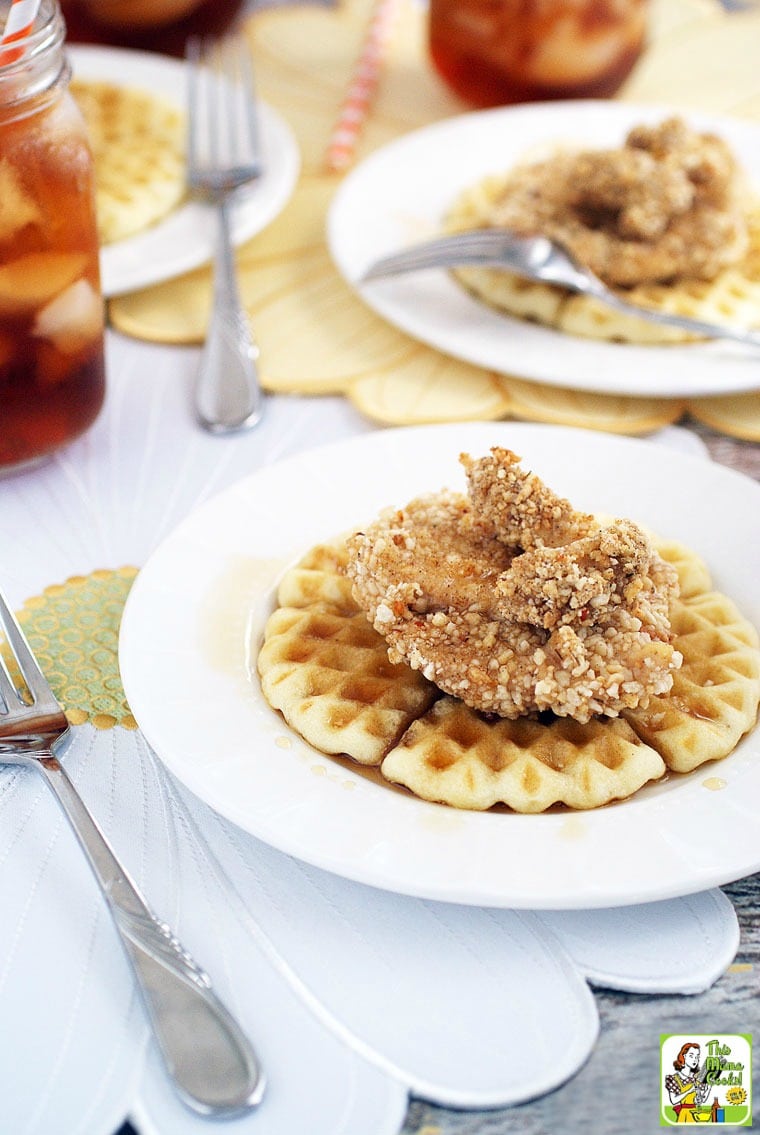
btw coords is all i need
(617, 1091)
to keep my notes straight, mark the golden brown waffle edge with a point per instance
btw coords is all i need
(321, 666)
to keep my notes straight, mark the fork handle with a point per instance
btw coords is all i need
(228, 395)
(205, 1051)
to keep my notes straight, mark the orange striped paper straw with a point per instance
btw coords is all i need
(361, 88)
(20, 22)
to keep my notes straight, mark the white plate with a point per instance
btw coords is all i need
(194, 620)
(184, 239)
(399, 195)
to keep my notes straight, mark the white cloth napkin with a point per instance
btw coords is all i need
(354, 997)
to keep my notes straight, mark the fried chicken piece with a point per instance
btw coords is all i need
(438, 539)
(550, 587)
(525, 513)
(705, 158)
(667, 204)
(631, 190)
(515, 602)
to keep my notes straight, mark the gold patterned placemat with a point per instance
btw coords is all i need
(316, 336)
(73, 630)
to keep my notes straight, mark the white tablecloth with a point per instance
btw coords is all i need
(355, 998)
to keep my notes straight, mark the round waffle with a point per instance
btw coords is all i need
(693, 573)
(715, 694)
(327, 671)
(456, 756)
(137, 140)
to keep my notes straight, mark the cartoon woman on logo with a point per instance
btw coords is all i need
(684, 1088)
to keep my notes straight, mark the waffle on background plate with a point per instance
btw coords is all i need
(732, 298)
(326, 670)
(137, 140)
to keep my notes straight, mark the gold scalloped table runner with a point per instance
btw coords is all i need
(316, 336)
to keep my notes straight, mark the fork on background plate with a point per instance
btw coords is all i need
(223, 156)
(534, 258)
(208, 1057)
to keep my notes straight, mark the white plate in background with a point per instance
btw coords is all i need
(184, 239)
(399, 195)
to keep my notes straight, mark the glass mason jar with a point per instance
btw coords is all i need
(493, 52)
(52, 373)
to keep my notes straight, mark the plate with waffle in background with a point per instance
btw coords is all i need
(150, 229)
(663, 205)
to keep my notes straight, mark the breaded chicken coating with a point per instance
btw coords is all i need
(525, 513)
(550, 587)
(667, 204)
(515, 602)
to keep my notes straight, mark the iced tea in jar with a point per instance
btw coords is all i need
(148, 25)
(51, 307)
(493, 52)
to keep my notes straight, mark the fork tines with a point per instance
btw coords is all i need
(42, 696)
(223, 135)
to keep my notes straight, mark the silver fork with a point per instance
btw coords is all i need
(534, 258)
(223, 156)
(210, 1060)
